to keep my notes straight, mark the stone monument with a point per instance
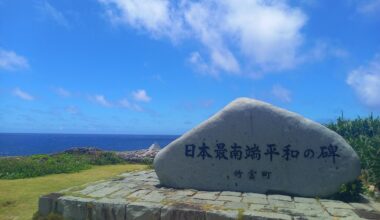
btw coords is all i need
(252, 146)
(154, 147)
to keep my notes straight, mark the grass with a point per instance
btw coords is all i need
(19, 198)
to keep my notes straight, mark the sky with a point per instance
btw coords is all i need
(163, 66)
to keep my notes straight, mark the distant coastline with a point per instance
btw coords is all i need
(21, 144)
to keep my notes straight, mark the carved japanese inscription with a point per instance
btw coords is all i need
(252, 146)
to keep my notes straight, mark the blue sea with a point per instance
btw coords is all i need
(14, 144)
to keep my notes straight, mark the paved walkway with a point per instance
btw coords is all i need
(137, 196)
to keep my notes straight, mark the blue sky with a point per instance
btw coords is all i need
(162, 67)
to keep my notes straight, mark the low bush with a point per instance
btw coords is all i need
(363, 134)
(40, 165)
(105, 158)
(350, 192)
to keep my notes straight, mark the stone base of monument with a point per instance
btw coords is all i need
(137, 195)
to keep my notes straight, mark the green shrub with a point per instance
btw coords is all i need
(350, 192)
(39, 165)
(43, 164)
(374, 169)
(363, 134)
(105, 158)
(147, 161)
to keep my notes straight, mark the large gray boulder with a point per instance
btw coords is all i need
(252, 146)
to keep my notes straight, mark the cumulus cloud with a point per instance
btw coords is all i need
(204, 25)
(265, 35)
(101, 100)
(22, 94)
(51, 12)
(155, 16)
(281, 93)
(141, 96)
(267, 31)
(365, 80)
(9, 60)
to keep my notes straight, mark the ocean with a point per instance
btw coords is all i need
(17, 144)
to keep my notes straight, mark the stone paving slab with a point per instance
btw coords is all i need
(138, 195)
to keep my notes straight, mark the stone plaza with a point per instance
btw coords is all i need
(139, 196)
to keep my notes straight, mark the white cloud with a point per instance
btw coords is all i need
(365, 80)
(155, 16)
(141, 96)
(200, 64)
(47, 9)
(322, 49)
(9, 60)
(265, 35)
(267, 31)
(131, 106)
(63, 92)
(369, 6)
(205, 28)
(281, 93)
(101, 100)
(22, 94)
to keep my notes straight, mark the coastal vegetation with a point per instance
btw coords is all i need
(44, 164)
(19, 197)
(363, 134)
